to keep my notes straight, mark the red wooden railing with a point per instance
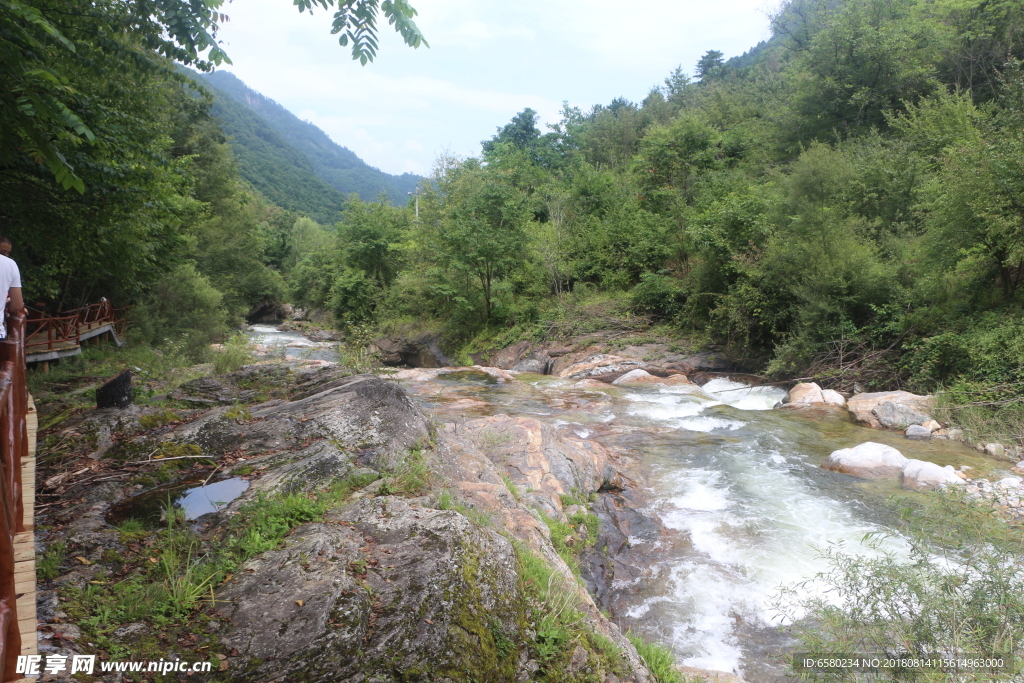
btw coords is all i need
(44, 333)
(13, 449)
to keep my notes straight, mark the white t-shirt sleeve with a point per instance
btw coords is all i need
(10, 276)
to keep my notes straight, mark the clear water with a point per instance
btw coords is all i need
(189, 496)
(742, 481)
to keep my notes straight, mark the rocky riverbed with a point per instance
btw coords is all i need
(659, 497)
(395, 580)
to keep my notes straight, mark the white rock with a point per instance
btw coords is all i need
(869, 459)
(1020, 464)
(927, 476)
(805, 394)
(1009, 482)
(833, 398)
(633, 375)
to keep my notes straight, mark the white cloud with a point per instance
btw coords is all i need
(487, 61)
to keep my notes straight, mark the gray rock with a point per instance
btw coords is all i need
(533, 365)
(863, 405)
(898, 416)
(46, 605)
(132, 630)
(381, 587)
(918, 432)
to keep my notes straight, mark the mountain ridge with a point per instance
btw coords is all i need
(293, 162)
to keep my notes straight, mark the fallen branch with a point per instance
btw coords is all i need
(180, 457)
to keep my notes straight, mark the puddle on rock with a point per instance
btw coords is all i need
(194, 500)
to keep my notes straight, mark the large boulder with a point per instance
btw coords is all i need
(869, 460)
(927, 476)
(862, 408)
(898, 416)
(536, 457)
(364, 415)
(598, 365)
(804, 394)
(381, 586)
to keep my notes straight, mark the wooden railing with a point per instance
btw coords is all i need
(45, 333)
(13, 449)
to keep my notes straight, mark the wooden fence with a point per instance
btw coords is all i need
(13, 449)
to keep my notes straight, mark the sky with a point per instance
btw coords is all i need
(487, 61)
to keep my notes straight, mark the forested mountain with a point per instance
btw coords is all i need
(843, 202)
(300, 147)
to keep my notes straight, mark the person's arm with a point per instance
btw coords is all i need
(14, 301)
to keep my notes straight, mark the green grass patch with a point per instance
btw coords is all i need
(659, 660)
(234, 354)
(572, 537)
(164, 417)
(557, 621)
(409, 476)
(48, 563)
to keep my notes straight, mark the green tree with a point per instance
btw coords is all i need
(481, 232)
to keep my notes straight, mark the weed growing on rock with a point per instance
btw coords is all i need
(409, 476)
(659, 660)
(557, 621)
(448, 501)
(131, 530)
(48, 563)
(511, 486)
(238, 413)
(571, 538)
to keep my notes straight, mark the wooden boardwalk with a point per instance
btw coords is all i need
(53, 338)
(25, 545)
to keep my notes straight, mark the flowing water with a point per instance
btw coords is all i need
(291, 344)
(741, 481)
